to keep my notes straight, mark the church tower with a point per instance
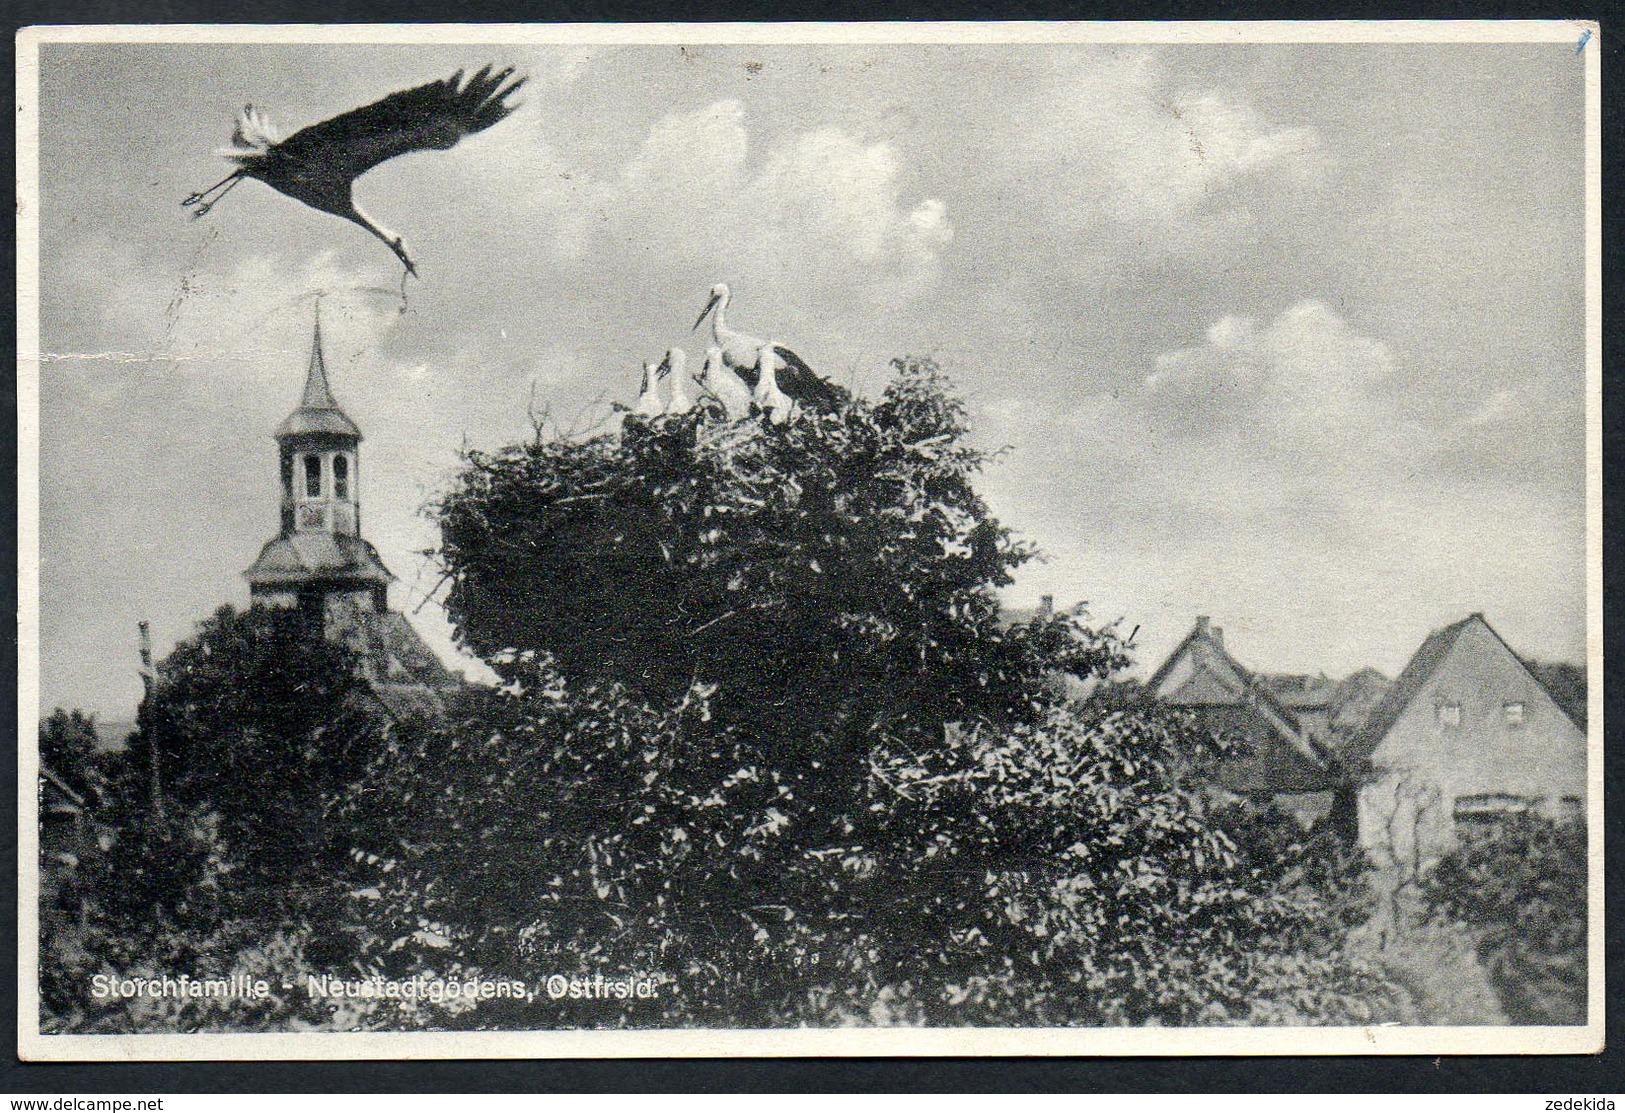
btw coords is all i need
(318, 555)
(319, 563)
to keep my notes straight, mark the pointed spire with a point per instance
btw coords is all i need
(318, 396)
(317, 412)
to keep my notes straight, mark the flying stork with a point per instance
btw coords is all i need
(724, 385)
(741, 352)
(772, 401)
(675, 365)
(319, 164)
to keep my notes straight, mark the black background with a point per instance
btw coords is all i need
(1553, 1075)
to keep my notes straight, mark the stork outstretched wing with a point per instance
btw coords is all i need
(430, 117)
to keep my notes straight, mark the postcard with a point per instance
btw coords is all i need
(809, 539)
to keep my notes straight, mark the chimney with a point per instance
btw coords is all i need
(1202, 624)
(1217, 634)
(1046, 607)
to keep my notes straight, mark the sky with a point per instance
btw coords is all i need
(1288, 335)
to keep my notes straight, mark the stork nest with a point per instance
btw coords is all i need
(816, 556)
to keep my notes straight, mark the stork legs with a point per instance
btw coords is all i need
(201, 202)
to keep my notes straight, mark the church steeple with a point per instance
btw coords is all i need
(318, 395)
(319, 550)
(317, 412)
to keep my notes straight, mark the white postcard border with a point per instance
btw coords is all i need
(714, 1043)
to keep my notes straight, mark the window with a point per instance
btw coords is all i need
(1482, 814)
(341, 476)
(313, 477)
(287, 475)
(1450, 714)
(1514, 713)
(1493, 803)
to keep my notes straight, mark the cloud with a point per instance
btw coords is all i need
(1129, 157)
(819, 214)
(1305, 374)
(1282, 428)
(1220, 308)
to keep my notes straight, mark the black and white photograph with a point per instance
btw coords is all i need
(809, 539)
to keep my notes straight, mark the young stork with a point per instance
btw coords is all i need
(772, 401)
(724, 385)
(675, 365)
(648, 404)
(742, 353)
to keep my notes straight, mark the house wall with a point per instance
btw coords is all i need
(1424, 766)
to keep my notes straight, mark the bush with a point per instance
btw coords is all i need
(1047, 873)
(1520, 890)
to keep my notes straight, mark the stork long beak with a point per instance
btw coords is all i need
(665, 366)
(399, 249)
(708, 307)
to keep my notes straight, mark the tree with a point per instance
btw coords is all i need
(1062, 871)
(763, 732)
(266, 737)
(69, 748)
(264, 728)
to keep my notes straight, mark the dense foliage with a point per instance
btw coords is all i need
(764, 733)
(1053, 872)
(264, 742)
(763, 736)
(833, 576)
(1521, 889)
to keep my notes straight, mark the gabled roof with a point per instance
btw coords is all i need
(1300, 691)
(1426, 661)
(1249, 692)
(302, 557)
(1354, 699)
(318, 412)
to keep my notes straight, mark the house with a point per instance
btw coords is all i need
(69, 832)
(1286, 730)
(1468, 733)
(64, 813)
(320, 563)
(1330, 711)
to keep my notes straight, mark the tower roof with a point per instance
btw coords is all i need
(302, 558)
(317, 412)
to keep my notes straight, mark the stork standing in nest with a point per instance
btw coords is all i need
(648, 404)
(741, 353)
(675, 367)
(726, 387)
